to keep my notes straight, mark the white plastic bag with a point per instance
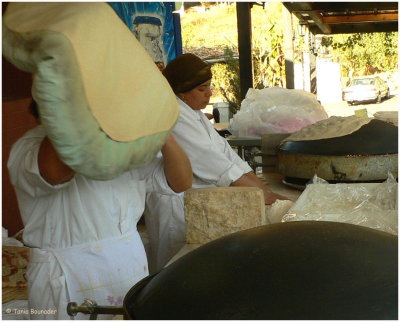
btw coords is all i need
(372, 205)
(276, 110)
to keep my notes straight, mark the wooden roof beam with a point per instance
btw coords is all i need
(361, 27)
(317, 20)
(361, 18)
(357, 6)
(304, 8)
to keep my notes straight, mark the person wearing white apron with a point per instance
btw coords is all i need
(214, 162)
(82, 232)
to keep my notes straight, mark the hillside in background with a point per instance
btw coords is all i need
(206, 31)
(210, 31)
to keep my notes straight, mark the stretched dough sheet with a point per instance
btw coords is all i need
(123, 86)
(102, 100)
(335, 126)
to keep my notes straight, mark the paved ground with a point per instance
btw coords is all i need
(342, 109)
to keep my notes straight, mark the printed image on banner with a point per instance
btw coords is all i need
(152, 24)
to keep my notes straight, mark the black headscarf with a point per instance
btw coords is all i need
(186, 72)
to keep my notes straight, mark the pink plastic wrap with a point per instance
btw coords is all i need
(276, 110)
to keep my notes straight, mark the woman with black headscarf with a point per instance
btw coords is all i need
(214, 162)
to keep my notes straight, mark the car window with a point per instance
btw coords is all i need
(363, 81)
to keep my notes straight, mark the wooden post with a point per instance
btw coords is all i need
(288, 47)
(243, 11)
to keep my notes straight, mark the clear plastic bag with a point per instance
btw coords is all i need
(372, 205)
(276, 110)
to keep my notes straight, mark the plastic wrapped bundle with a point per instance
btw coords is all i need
(372, 205)
(276, 110)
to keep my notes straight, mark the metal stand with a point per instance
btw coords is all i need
(91, 307)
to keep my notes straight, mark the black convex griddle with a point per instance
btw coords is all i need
(363, 156)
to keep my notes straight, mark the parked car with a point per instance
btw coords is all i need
(364, 89)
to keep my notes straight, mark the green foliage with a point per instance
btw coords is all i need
(268, 56)
(363, 54)
(220, 29)
(215, 27)
(226, 80)
(358, 54)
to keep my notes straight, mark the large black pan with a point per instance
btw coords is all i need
(296, 270)
(364, 155)
(374, 138)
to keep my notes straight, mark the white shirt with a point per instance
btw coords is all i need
(80, 210)
(70, 226)
(214, 163)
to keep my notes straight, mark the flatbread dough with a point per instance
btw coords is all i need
(125, 91)
(275, 212)
(387, 116)
(102, 101)
(335, 126)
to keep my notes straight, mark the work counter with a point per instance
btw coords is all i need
(369, 204)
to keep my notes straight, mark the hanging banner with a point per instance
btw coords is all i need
(153, 25)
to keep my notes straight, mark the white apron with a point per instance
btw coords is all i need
(165, 223)
(82, 275)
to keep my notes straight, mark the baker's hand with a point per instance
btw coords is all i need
(250, 179)
(209, 116)
(270, 197)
